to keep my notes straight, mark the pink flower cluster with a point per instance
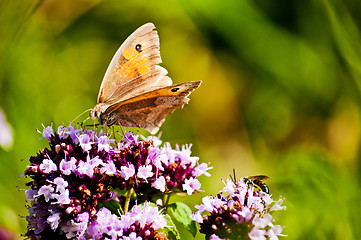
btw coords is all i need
(82, 171)
(238, 212)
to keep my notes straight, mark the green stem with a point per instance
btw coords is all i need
(167, 201)
(127, 200)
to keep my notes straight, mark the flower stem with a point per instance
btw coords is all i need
(127, 200)
(167, 201)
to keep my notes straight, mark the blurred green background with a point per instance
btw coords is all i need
(280, 93)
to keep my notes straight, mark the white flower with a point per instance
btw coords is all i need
(48, 166)
(190, 185)
(159, 184)
(145, 172)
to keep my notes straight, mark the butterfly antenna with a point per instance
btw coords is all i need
(75, 119)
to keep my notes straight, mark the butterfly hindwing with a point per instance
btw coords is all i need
(149, 110)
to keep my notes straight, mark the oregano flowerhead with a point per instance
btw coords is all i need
(238, 212)
(83, 170)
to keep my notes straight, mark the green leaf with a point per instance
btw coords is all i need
(121, 192)
(181, 213)
(113, 206)
(170, 230)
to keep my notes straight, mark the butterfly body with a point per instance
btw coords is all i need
(135, 91)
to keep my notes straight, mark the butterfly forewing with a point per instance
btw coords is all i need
(134, 70)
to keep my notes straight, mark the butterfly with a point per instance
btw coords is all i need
(136, 91)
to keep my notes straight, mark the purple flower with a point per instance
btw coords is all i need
(132, 236)
(61, 184)
(262, 221)
(191, 185)
(147, 214)
(274, 232)
(145, 172)
(62, 131)
(159, 184)
(231, 188)
(31, 194)
(68, 131)
(47, 192)
(215, 237)
(106, 222)
(277, 205)
(185, 155)
(139, 223)
(257, 234)
(127, 172)
(48, 166)
(73, 133)
(85, 142)
(202, 169)
(54, 220)
(85, 168)
(103, 144)
(130, 138)
(82, 170)
(95, 162)
(67, 167)
(48, 132)
(156, 141)
(77, 227)
(63, 197)
(109, 168)
(238, 212)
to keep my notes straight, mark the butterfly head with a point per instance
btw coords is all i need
(97, 110)
(98, 113)
(93, 114)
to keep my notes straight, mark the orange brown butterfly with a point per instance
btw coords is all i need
(136, 91)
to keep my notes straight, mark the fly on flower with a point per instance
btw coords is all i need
(258, 181)
(238, 212)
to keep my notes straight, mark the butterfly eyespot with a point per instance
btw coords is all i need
(138, 47)
(174, 89)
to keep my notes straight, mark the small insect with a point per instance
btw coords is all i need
(257, 181)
